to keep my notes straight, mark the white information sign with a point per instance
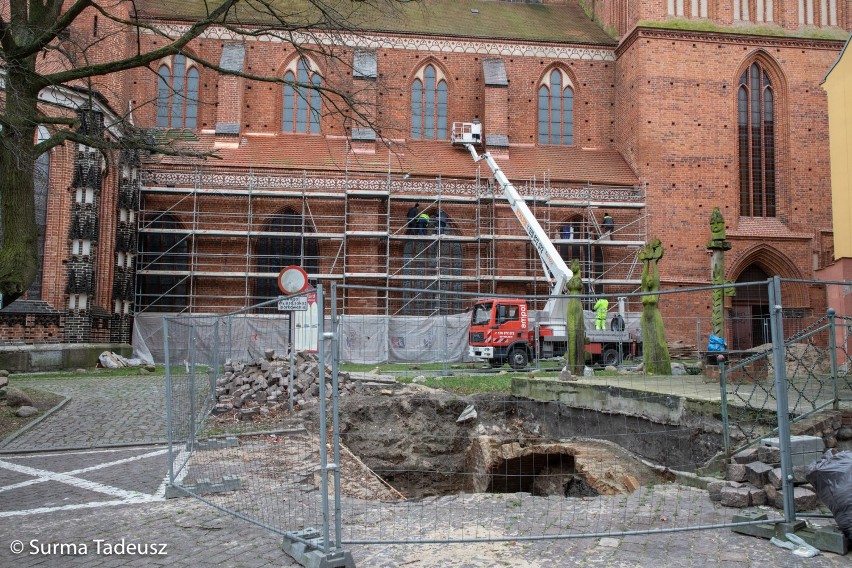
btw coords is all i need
(297, 304)
(307, 325)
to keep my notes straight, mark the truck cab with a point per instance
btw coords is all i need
(500, 332)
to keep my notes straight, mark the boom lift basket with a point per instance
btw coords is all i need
(467, 133)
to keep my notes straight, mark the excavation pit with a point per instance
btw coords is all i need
(411, 438)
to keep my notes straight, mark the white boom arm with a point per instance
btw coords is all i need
(550, 257)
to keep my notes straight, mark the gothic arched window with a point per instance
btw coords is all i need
(756, 142)
(302, 100)
(177, 94)
(429, 105)
(556, 109)
(283, 243)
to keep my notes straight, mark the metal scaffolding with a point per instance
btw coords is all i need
(201, 231)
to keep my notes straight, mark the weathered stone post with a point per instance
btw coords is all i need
(575, 325)
(655, 351)
(718, 245)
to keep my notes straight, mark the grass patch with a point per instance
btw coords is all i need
(43, 400)
(97, 372)
(467, 384)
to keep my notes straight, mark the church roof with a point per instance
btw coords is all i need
(558, 164)
(557, 23)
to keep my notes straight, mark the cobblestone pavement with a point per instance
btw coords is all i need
(78, 508)
(102, 411)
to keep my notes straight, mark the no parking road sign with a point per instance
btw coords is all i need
(294, 280)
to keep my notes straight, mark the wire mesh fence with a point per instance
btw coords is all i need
(399, 431)
(233, 383)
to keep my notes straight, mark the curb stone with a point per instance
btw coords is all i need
(11, 437)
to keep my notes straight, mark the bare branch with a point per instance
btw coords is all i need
(57, 22)
(141, 59)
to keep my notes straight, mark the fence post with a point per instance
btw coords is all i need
(779, 361)
(192, 394)
(322, 421)
(335, 413)
(723, 388)
(832, 345)
(169, 417)
(214, 367)
(292, 360)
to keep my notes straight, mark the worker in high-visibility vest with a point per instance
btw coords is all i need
(423, 222)
(601, 306)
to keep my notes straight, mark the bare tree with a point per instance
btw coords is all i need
(41, 51)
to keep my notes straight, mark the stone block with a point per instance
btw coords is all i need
(806, 499)
(800, 474)
(769, 454)
(804, 450)
(738, 497)
(776, 478)
(714, 488)
(774, 497)
(736, 472)
(757, 496)
(745, 456)
(758, 473)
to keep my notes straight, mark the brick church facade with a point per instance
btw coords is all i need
(652, 111)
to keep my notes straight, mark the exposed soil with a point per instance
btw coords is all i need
(43, 400)
(410, 437)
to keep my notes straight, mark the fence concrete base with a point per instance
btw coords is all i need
(827, 539)
(311, 557)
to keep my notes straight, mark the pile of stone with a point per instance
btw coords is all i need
(16, 399)
(753, 476)
(258, 387)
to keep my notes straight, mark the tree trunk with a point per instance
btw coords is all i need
(19, 255)
(655, 350)
(576, 337)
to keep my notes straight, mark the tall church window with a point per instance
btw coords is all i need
(756, 142)
(177, 94)
(283, 243)
(302, 99)
(429, 105)
(827, 16)
(556, 109)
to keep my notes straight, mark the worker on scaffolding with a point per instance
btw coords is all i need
(411, 225)
(441, 222)
(601, 307)
(608, 226)
(422, 223)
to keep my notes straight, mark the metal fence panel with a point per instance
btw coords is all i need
(235, 439)
(537, 457)
(441, 449)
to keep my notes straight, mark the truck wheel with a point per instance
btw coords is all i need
(518, 359)
(610, 357)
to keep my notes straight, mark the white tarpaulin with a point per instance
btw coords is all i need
(241, 336)
(363, 339)
(404, 339)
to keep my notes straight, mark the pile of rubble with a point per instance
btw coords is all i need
(261, 386)
(802, 359)
(753, 477)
